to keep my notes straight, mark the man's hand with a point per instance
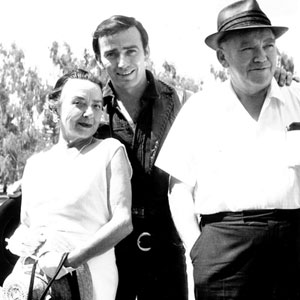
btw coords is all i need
(284, 77)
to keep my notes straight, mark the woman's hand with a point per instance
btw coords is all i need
(49, 262)
(25, 241)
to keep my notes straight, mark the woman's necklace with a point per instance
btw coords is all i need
(85, 145)
(73, 150)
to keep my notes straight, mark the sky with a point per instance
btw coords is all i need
(176, 29)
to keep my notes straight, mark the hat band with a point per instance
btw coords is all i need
(254, 18)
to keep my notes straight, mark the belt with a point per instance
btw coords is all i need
(144, 239)
(264, 215)
(138, 212)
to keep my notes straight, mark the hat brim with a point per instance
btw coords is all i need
(212, 40)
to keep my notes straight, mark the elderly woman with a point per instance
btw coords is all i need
(77, 195)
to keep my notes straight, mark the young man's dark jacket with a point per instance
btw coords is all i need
(158, 255)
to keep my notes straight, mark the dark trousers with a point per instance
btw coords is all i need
(159, 273)
(248, 255)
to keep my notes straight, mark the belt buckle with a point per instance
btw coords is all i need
(143, 235)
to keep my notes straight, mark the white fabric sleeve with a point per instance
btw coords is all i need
(177, 154)
(27, 185)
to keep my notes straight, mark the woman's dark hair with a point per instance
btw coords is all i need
(115, 24)
(74, 74)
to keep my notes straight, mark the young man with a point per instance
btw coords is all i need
(236, 168)
(141, 110)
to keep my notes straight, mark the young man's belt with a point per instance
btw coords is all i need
(144, 239)
(138, 212)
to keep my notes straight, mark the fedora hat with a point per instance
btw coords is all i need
(241, 15)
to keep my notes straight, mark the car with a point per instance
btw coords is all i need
(9, 221)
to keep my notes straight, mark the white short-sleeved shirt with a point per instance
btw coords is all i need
(234, 162)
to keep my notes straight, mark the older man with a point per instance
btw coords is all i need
(234, 156)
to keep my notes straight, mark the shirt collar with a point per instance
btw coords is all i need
(275, 92)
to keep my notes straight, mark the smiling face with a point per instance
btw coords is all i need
(251, 59)
(80, 109)
(123, 57)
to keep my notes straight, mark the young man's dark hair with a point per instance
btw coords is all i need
(114, 25)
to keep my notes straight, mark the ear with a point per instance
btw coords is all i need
(55, 109)
(147, 52)
(222, 58)
(100, 64)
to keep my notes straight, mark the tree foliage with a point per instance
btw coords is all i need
(22, 97)
(63, 58)
(221, 74)
(170, 76)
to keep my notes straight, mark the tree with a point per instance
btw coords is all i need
(286, 62)
(170, 76)
(222, 74)
(22, 97)
(63, 58)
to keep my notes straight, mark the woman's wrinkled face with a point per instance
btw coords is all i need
(80, 109)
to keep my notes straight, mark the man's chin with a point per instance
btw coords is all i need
(125, 78)
(262, 80)
(261, 75)
(125, 84)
